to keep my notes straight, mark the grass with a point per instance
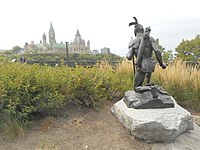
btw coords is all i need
(11, 127)
(181, 81)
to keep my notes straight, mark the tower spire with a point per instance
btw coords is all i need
(52, 38)
(51, 29)
(77, 33)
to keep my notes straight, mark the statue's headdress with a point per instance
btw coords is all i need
(148, 29)
(133, 23)
(138, 27)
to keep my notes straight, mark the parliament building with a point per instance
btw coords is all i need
(77, 46)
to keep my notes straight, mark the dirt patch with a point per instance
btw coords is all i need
(82, 129)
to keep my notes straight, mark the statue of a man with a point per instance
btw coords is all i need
(145, 96)
(142, 48)
(145, 65)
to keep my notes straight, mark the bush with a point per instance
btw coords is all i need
(30, 89)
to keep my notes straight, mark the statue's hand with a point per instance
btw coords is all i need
(164, 66)
(129, 57)
(138, 68)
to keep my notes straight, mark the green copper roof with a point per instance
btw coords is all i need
(59, 45)
(40, 45)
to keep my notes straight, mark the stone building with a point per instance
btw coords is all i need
(77, 46)
(105, 50)
(94, 52)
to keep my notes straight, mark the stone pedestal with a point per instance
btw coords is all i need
(157, 125)
(145, 99)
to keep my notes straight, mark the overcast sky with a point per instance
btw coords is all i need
(103, 22)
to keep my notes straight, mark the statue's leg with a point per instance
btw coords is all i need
(139, 79)
(148, 76)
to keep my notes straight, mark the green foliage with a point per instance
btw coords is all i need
(11, 127)
(16, 49)
(167, 55)
(74, 57)
(160, 47)
(189, 50)
(181, 81)
(88, 86)
(48, 56)
(8, 55)
(29, 89)
(2, 58)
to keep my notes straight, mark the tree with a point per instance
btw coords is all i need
(189, 50)
(16, 49)
(160, 47)
(74, 57)
(167, 55)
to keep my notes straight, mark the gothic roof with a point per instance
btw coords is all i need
(77, 33)
(51, 30)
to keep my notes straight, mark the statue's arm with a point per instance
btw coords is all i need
(132, 50)
(129, 55)
(157, 53)
(140, 53)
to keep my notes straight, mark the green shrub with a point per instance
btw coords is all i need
(30, 89)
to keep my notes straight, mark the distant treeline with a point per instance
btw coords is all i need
(73, 57)
(71, 63)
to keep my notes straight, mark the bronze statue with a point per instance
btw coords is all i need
(149, 95)
(142, 48)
